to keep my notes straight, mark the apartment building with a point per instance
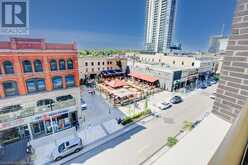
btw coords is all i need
(90, 66)
(39, 92)
(160, 22)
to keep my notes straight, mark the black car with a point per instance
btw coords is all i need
(176, 100)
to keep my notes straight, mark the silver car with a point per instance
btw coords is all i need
(66, 147)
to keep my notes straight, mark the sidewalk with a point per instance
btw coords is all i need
(92, 136)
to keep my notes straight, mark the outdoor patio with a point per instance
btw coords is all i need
(123, 91)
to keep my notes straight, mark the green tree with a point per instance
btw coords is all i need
(171, 141)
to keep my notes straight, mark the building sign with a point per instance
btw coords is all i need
(47, 116)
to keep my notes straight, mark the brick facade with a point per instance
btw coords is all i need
(232, 92)
(18, 50)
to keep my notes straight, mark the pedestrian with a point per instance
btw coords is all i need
(77, 125)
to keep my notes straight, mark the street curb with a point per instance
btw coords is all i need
(89, 147)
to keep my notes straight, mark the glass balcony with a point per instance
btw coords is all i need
(31, 110)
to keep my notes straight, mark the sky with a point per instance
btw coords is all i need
(120, 23)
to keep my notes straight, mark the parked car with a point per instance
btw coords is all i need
(204, 86)
(66, 147)
(164, 105)
(176, 100)
(83, 105)
(212, 82)
(213, 96)
(209, 83)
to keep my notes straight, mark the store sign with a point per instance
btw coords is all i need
(51, 114)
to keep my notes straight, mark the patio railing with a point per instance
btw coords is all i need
(33, 110)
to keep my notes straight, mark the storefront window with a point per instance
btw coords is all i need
(61, 122)
(48, 127)
(10, 135)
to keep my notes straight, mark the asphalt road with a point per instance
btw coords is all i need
(135, 146)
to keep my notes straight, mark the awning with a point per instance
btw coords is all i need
(116, 83)
(116, 72)
(143, 77)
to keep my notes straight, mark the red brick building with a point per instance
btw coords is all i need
(39, 91)
(22, 60)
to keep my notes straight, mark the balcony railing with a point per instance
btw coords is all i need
(34, 110)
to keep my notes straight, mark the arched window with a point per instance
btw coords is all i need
(35, 85)
(69, 64)
(193, 64)
(57, 82)
(70, 81)
(61, 64)
(27, 66)
(174, 62)
(182, 63)
(10, 88)
(38, 66)
(8, 67)
(53, 65)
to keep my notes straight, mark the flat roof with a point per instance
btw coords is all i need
(164, 68)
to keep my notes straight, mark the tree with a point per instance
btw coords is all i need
(171, 141)
(146, 106)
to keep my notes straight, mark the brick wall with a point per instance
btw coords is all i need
(232, 92)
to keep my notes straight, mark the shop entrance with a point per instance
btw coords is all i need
(74, 118)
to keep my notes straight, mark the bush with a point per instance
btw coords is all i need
(171, 141)
(216, 77)
(127, 120)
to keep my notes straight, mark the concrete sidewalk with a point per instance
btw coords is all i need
(105, 139)
(90, 135)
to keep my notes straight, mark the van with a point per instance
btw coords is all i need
(66, 147)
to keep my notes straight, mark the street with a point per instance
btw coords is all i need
(135, 146)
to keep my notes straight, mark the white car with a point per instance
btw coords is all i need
(213, 96)
(66, 146)
(164, 105)
(83, 105)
